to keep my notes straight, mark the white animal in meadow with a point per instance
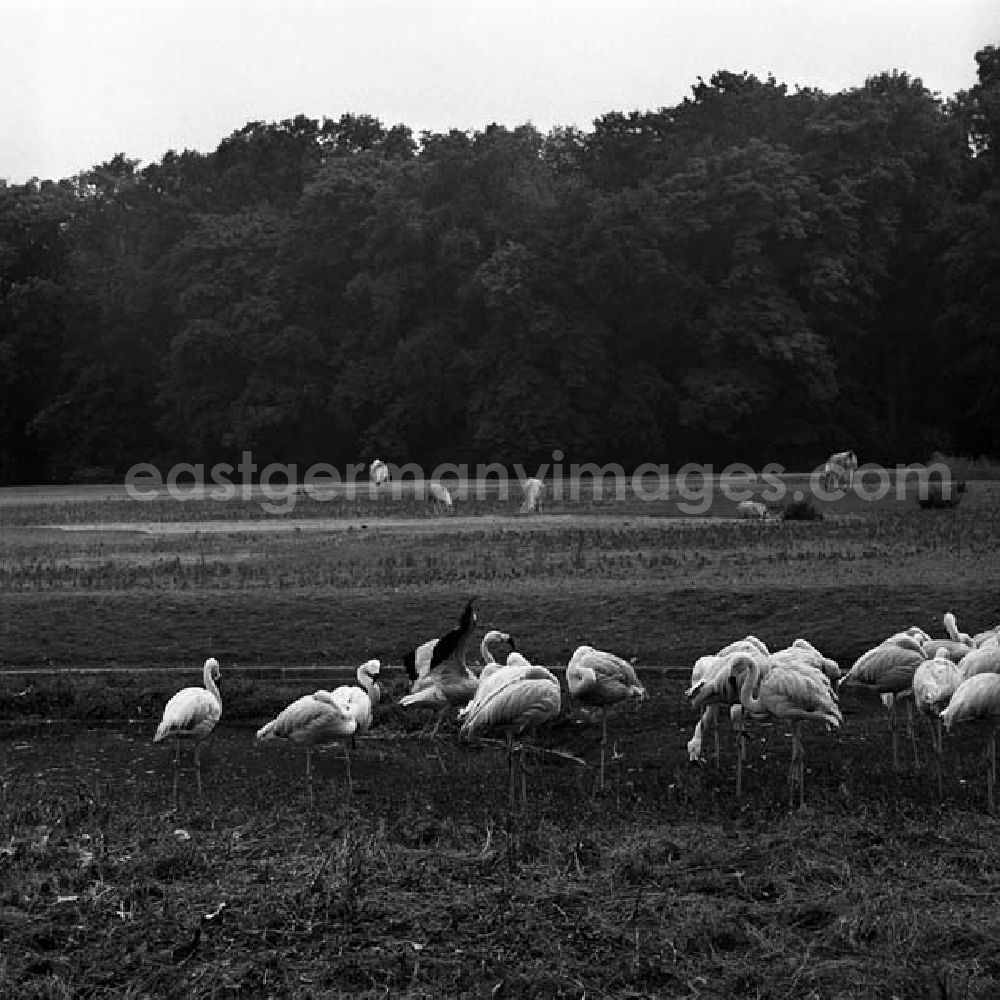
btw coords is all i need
(379, 473)
(192, 714)
(838, 473)
(440, 496)
(978, 698)
(512, 700)
(534, 492)
(752, 509)
(314, 720)
(603, 680)
(799, 694)
(934, 683)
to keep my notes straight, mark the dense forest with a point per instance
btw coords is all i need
(756, 274)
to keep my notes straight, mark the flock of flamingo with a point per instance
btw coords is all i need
(951, 680)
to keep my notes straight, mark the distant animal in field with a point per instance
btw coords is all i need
(752, 509)
(440, 496)
(978, 698)
(192, 714)
(534, 493)
(314, 720)
(602, 680)
(838, 473)
(512, 701)
(379, 473)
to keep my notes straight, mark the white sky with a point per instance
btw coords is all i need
(82, 80)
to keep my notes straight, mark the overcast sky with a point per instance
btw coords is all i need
(82, 80)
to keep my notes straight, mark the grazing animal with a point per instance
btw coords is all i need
(934, 683)
(534, 491)
(602, 680)
(512, 700)
(799, 694)
(419, 660)
(888, 669)
(192, 714)
(978, 697)
(838, 473)
(752, 509)
(379, 473)
(314, 720)
(440, 496)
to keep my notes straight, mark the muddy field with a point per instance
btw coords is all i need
(424, 885)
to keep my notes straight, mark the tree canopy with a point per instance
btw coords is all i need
(753, 275)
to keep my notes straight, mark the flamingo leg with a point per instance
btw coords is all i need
(347, 764)
(197, 768)
(892, 730)
(741, 752)
(510, 773)
(718, 749)
(524, 781)
(309, 777)
(991, 768)
(604, 741)
(177, 767)
(911, 729)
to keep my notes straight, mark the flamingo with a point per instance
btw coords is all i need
(934, 683)
(314, 720)
(602, 679)
(978, 697)
(512, 700)
(983, 659)
(361, 700)
(712, 685)
(888, 669)
(799, 694)
(192, 714)
(951, 627)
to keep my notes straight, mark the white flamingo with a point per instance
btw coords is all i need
(888, 669)
(192, 714)
(512, 701)
(314, 720)
(799, 694)
(934, 683)
(713, 685)
(602, 680)
(978, 698)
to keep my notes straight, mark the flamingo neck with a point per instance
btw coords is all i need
(210, 684)
(747, 699)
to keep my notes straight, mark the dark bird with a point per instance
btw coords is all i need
(455, 644)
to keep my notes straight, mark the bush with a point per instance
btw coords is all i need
(941, 496)
(801, 510)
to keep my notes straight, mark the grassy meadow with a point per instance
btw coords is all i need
(423, 884)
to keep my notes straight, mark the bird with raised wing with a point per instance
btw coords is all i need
(423, 658)
(192, 714)
(602, 680)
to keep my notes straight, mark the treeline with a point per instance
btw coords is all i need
(753, 275)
